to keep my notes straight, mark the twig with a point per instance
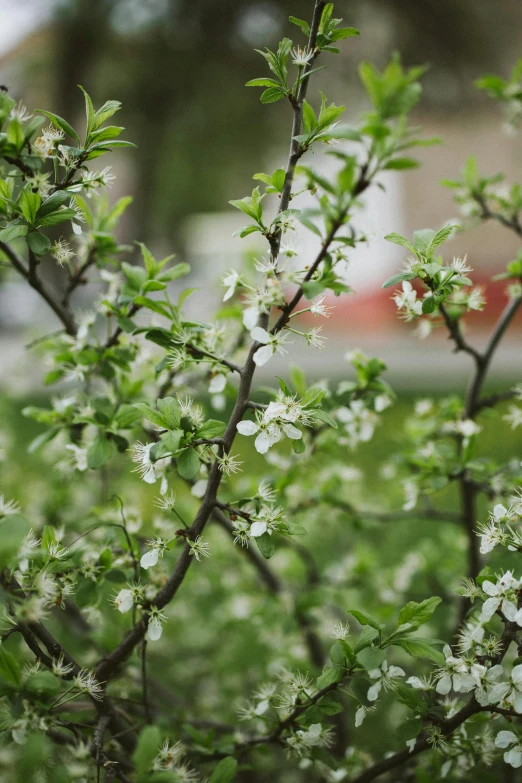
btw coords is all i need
(108, 665)
(30, 274)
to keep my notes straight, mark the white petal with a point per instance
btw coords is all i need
(374, 690)
(262, 355)
(499, 511)
(360, 716)
(292, 432)
(262, 442)
(154, 630)
(257, 529)
(250, 317)
(514, 757)
(199, 488)
(247, 427)
(217, 384)
(274, 411)
(124, 601)
(444, 685)
(260, 335)
(149, 558)
(489, 608)
(509, 610)
(516, 674)
(505, 738)
(489, 588)
(150, 476)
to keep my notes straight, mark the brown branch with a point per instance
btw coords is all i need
(109, 664)
(473, 397)
(494, 399)
(457, 336)
(31, 275)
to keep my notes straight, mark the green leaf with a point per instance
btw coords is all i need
(409, 729)
(344, 32)
(14, 529)
(9, 667)
(397, 239)
(326, 418)
(13, 231)
(266, 545)
(171, 412)
(99, 452)
(212, 428)
(126, 416)
(278, 179)
(272, 95)
(439, 238)
(421, 648)
(365, 619)
(371, 657)
(330, 675)
(365, 638)
(152, 304)
(53, 218)
(6, 104)
(179, 270)
(29, 203)
(38, 243)
(298, 446)
(225, 771)
(398, 164)
(15, 134)
(107, 134)
(146, 749)
(417, 614)
(104, 112)
(89, 110)
(398, 279)
(309, 118)
(43, 683)
(305, 27)
(360, 686)
(263, 83)
(429, 305)
(188, 464)
(59, 122)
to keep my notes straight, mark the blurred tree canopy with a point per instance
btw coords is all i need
(155, 56)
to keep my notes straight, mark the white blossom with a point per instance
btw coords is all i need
(499, 593)
(407, 301)
(385, 677)
(231, 281)
(272, 343)
(155, 625)
(508, 739)
(453, 675)
(124, 600)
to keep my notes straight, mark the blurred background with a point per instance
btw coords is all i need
(179, 68)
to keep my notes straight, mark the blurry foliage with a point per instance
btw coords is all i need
(179, 65)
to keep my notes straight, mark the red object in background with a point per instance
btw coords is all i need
(374, 311)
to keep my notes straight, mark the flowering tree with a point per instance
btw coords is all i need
(130, 625)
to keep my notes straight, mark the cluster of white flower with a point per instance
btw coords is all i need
(170, 758)
(278, 419)
(359, 422)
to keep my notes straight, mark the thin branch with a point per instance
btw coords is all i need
(499, 330)
(457, 336)
(494, 399)
(109, 664)
(488, 214)
(30, 274)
